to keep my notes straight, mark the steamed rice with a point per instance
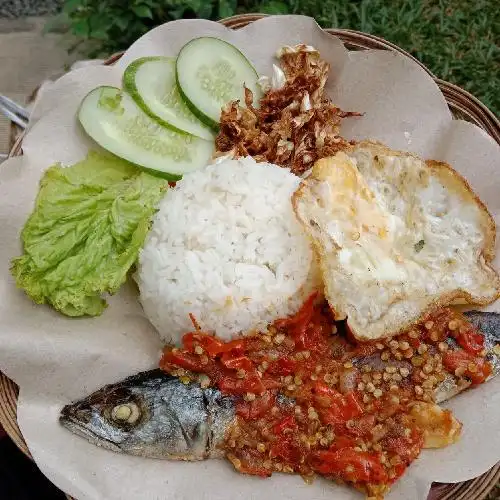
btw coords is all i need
(225, 246)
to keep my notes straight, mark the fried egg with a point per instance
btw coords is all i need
(396, 236)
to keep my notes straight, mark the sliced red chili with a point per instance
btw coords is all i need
(237, 362)
(470, 341)
(256, 408)
(285, 423)
(251, 384)
(183, 359)
(476, 368)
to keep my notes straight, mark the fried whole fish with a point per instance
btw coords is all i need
(154, 414)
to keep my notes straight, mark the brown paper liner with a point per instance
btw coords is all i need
(462, 105)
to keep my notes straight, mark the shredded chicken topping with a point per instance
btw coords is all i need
(295, 125)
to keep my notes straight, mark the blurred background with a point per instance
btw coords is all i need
(40, 39)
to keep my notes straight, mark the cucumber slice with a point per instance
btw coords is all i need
(211, 73)
(112, 118)
(151, 83)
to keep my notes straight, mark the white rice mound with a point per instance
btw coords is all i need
(226, 246)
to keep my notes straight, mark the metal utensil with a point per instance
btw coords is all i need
(14, 112)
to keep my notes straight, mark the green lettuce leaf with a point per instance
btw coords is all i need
(88, 226)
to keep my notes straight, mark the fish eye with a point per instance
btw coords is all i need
(126, 413)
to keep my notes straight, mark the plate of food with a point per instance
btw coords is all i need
(253, 246)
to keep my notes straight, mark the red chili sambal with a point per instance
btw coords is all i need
(310, 401)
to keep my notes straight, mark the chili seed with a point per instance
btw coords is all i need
(427, 369)
(385, 356)
(404, 345)
(429, 324)
(453, 325)
(408, 353)
(370, 387)
(379, 346)
(422, 348)
(198, 349)
(417, 361)
(250, 396)
(366, 398)
(318, 368)
(290, 387)
(397, 377)
(241, 373)
(312, 415)
(472, 367)
(460, 371)
(418, 390)
(314, 377)
(261, 447)
(361, 386)
(413, 334)
(393, 388)
(334, 329)
(297, 380)
(398, 355)
(204, 381)
(390, 369)
(394, 344)
(443, 346)
(377, 393)
(278, 339)
(185, 380)
(348, 365)
(404, 371)
(288, 379)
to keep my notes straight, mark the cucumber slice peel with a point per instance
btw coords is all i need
(151, 82)
(112, 118)
(210, 73)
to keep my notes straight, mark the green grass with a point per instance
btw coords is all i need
(454, 38)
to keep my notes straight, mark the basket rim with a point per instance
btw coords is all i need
(481, 485)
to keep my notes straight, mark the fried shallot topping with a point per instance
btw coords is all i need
(296, 123)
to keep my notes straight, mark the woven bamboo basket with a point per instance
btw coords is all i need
(462, 105)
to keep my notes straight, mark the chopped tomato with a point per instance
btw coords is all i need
(237, 362)
(470, 341)
(350, 465)
(282, 366)
(338, 407)
(287, 450)
(284, 424)
(342, 442)
(463, 361)
(257, 408)
(362, 426)
(209, 343)
(183, 359)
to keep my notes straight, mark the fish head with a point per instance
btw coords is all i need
(109, 417)
(153, 414)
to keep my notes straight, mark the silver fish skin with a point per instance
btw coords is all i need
(153, 414)
(488, 323)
